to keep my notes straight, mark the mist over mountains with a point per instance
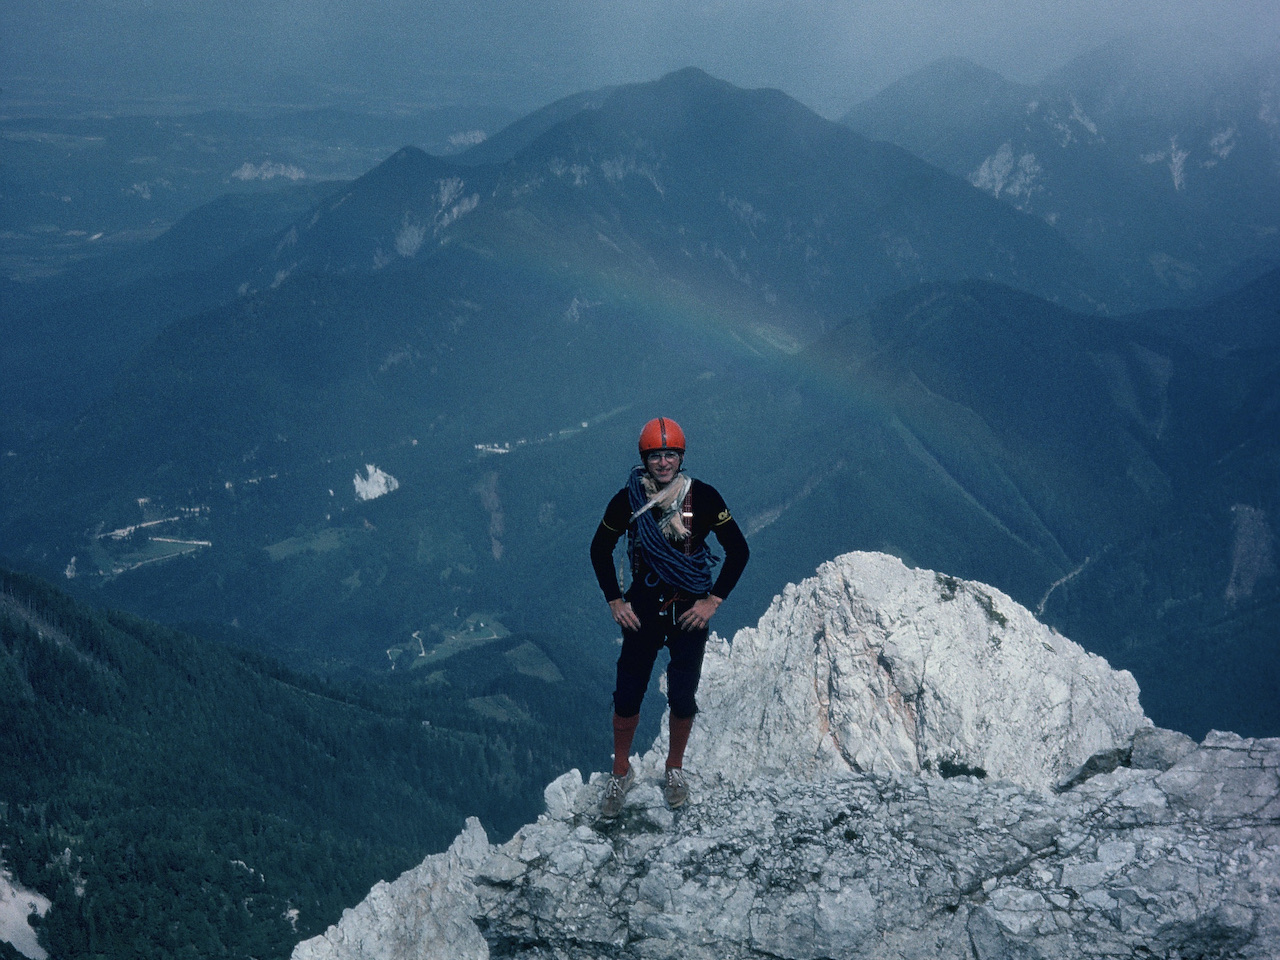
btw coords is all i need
(1158, 161)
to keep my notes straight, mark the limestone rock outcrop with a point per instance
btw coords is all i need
(892, 764)
(872, 666)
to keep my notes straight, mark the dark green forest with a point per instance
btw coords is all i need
(177, 797)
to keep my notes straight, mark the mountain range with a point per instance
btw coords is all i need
(1156, 159)
(83, 191)
(366, 428)
(405, 407)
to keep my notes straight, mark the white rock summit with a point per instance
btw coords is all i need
(873, 667)
(893, 763)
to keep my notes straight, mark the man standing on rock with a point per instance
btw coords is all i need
(666, 515)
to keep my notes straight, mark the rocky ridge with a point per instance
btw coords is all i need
(893, 764)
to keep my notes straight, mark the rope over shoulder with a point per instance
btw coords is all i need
(688, 572)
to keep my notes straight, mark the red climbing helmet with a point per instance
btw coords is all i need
(661, 433)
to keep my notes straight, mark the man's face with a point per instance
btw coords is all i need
(663, 465)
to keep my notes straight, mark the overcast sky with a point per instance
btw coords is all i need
(522, 54)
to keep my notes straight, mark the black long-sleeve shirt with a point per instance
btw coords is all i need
(710, 515)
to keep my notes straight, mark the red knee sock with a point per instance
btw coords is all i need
(680, 727)
(624, 730)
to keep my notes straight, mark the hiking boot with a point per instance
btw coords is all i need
(676, 789)
(615, 791)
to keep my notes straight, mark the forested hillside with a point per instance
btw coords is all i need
(180, 798)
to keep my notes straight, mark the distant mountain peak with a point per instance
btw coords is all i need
(948, 91)
(407, 161)
(692, 94)
(957, 69)
(1155, 154)
(691, 75)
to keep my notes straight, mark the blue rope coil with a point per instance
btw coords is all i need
(690, 572)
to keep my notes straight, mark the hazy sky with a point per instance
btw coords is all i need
(524, 53)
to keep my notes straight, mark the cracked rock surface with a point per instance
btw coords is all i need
(1149, 846)
(873, 666)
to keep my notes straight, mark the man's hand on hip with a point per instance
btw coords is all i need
(623, 615)
(697, 616)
